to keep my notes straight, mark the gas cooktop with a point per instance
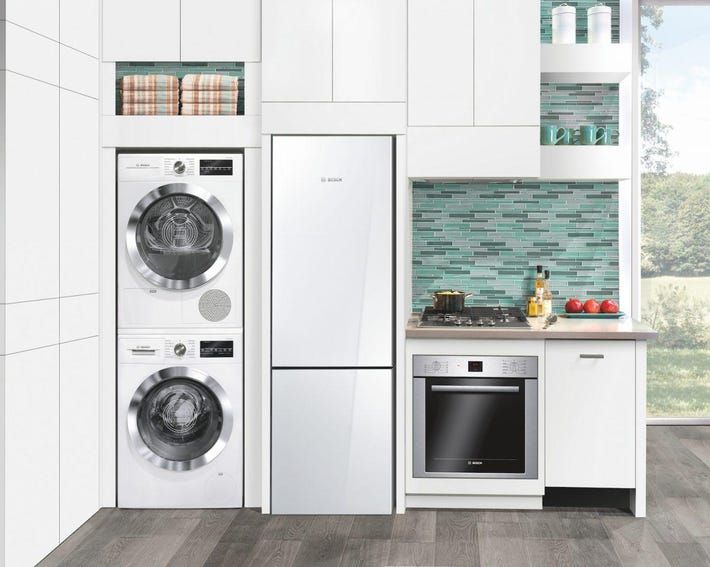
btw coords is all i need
(486, 317)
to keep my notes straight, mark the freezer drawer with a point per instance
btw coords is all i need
(331, 442)
(332, 258)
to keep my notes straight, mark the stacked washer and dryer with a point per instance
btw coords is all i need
(179, 348)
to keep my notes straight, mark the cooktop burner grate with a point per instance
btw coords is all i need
(485, 317)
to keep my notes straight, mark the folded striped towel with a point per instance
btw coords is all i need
(165, 97)
(210, 96)
(149, 83)
(210, 83)
(205, 109)
(148, 108)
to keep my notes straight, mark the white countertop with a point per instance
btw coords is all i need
(615, 329)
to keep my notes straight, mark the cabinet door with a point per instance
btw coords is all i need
(507, 63)
(136, 30)
(297, 50)
(220, 30)
(331, 442)
(31, 507)
(370, 50)
(32, 194)
(590, 414)
(441, 62)
(79, 431)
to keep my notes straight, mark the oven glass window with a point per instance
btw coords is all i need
(475, 426)
(179, 237)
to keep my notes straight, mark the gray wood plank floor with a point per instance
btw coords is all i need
(676, 532)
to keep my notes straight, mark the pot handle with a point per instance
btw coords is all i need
(468, 295)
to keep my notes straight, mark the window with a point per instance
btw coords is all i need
(675, 204)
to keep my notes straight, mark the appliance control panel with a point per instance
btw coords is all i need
(430, 366)
(177, 348)
(173, 167)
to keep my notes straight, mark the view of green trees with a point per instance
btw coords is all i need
(675, 264)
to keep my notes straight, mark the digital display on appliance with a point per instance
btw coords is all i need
(475, 366)
(216, 167)
(216, 349)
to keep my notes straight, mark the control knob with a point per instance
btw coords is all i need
(180, 349)
(179, 167)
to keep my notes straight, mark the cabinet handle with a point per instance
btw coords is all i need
(591, 356)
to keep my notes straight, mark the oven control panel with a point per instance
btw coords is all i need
(429, 366)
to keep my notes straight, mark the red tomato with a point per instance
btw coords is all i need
(591, 306)
(573, 305)
(609, 306)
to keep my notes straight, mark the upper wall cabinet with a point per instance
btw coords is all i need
(506, 89)
(334, 50)
(220, 30)
(370, 50)
(136, 30)
(474, 63)
(440, 62)
(183, 30)
(297, 50)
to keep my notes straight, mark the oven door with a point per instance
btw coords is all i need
(475, 428)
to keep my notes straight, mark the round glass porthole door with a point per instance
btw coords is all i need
(179, 419)
(179, 236)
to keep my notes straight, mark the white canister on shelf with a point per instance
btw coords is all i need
(564, 24)
(599, 24)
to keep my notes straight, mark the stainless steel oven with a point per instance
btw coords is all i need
(475, 416)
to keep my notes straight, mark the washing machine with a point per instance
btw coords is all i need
(179, 421)
(179, 240)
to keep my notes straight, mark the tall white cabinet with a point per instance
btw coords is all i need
(48, 275)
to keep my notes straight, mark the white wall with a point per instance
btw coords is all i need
(49, 118)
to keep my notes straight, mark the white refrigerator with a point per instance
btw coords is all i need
(332, 334)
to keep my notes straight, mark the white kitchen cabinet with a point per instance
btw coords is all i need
(297, 50)
(590, 410)
(220, 30)
(506, 63)
(136, 30)
(441, 63)
(79, 25)
(31, 445)
(79, 433)
(40, 16)
(370, 50)
(79, 189)
(32, 189)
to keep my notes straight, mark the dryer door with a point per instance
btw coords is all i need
(179, 236)
(179, 419)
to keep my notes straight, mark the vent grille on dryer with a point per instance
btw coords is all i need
(215, 305)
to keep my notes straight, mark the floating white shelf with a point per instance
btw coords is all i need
(181, 131)
(582, 163)
(585, 63)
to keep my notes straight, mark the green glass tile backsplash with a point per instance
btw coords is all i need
(180, 69)
(582, 7)
(487, 238)
(572, 105)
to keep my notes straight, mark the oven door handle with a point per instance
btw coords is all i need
(476, 389)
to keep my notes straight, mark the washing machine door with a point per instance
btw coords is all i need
(179, 419)
(179, 236)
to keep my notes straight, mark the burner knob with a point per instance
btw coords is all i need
(469, 323)
(457, 322)
(491, 323)
(480, 323)
(180, 349)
